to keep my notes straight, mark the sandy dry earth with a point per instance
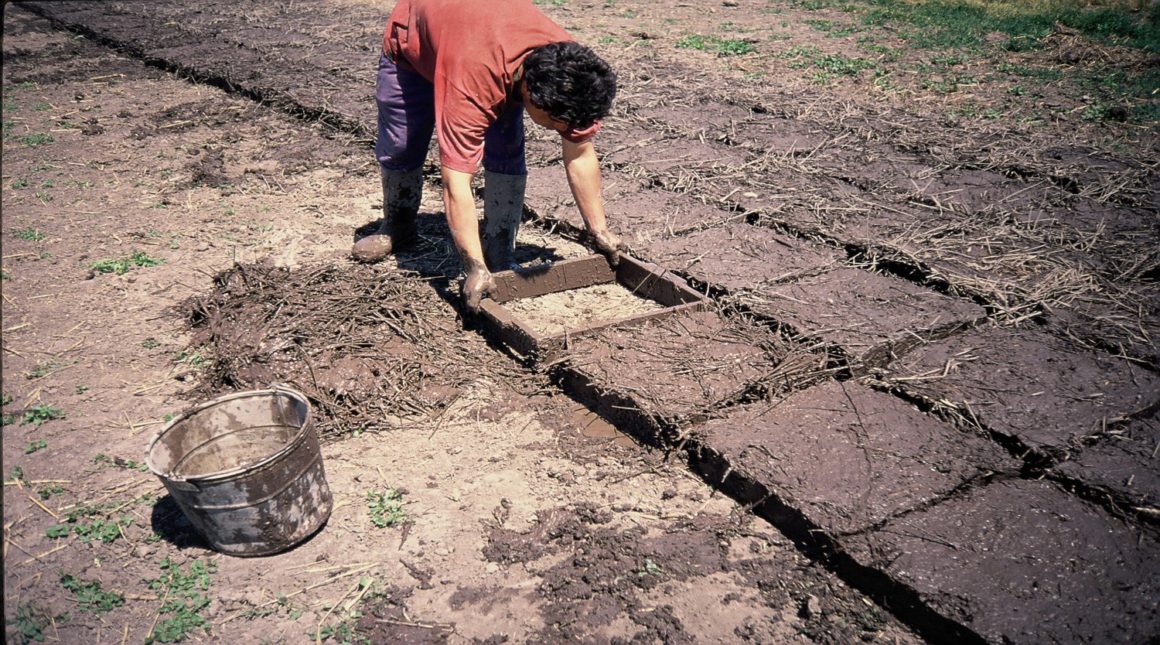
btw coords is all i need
(929, 370)
(192, 180)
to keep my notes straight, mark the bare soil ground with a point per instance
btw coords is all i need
(932, 351)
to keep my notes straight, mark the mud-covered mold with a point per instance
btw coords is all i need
(667, 294)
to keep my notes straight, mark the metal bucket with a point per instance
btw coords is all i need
(246, 469)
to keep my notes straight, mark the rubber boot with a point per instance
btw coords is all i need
(503, 207)
(402, 192)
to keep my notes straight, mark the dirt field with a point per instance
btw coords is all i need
(922, 406)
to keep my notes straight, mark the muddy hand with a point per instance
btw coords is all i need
(609, 245)
(476, 285)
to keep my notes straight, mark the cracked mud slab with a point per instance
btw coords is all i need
(1020, 549)
(682, 366)
(1027, 385)
(1122, 462)
(870, 317)
(739, 256)
(848, 457)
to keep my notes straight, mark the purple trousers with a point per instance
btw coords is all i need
(406, 103)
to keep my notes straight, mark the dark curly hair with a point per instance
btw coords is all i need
(570, 82)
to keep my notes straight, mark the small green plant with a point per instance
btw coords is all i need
(123, 265)
(90, 595)
(6, 398)
(82, 388)
(722, 46)
(106, 531)
(36, 139)
(58, 531)
(41, 413)
(48, 491)
(41, 370)
(649, 568)
(41, 107)
(29, 235)
(18, 183)
(386, 508)
(5, 276)
(29, 624)
(150, 343)
(119, 462)
(33, 446)
(185, 600)
(17, 474)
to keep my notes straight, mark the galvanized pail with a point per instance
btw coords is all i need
(246, 469)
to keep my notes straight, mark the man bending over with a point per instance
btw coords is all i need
(468, 70)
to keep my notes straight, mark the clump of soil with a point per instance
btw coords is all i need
(554, 313)
(365, 344)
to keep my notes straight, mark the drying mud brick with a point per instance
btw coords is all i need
(549, 198)
(868, 317)
(738, 256)
(1122, 463)
(1024, 562)
(669, 371)
(848, 457)
(1027, 385)
(639, 215)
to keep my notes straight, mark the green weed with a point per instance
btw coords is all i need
(29, 234)
(48, 491)
(386, 508)
(33, 446)
(828, 65)
(90, 595)
(29, 624)
(121, 266)
(41, 370)
(721, 46)
(185, 600)
(18, 183)
(41, 413)
(150, 343)
(5, 276)
(81, 388)
(36, 139)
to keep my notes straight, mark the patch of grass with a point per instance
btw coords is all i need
(815, 5)
(41, 413)
(386, 508)
(36, 139)
(28, 234)
(833, 29)
(965, 23)
(35, 445)
(90, 596)
(716, 44)
(828, 65)
(121, 266)
(185, 601)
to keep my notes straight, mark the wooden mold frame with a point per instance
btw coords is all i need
(645, 279)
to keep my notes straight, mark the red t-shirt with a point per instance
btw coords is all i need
(470, 50)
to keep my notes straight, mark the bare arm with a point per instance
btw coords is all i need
(459, 204)
(583, 169)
